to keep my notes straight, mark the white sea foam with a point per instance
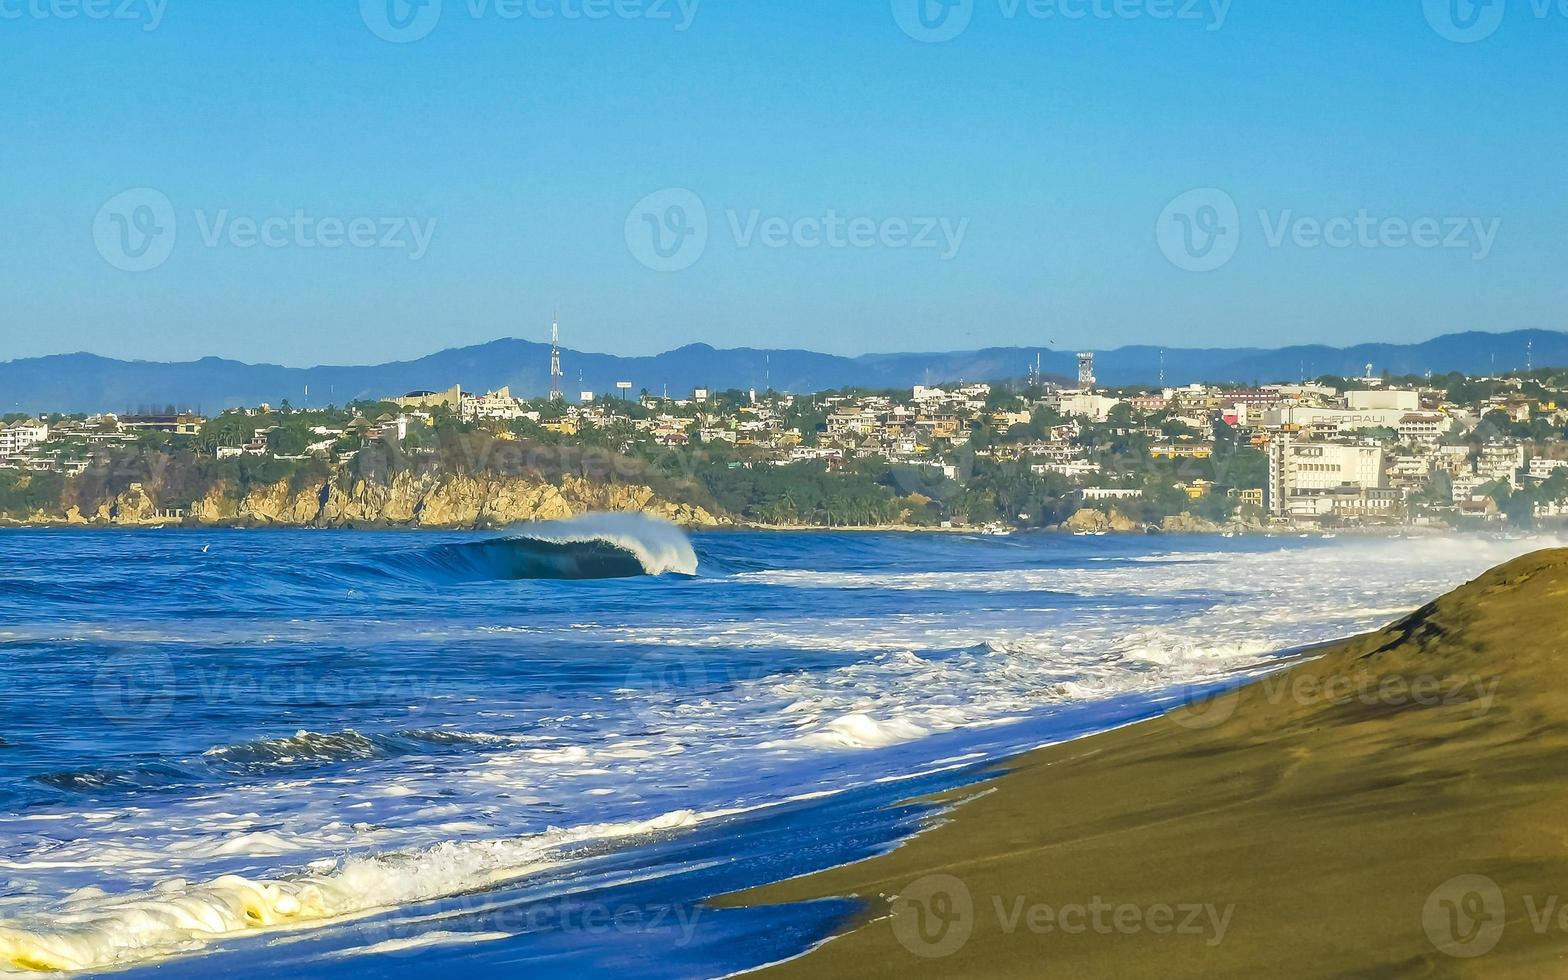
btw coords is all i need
(97, 931)
(425, 941)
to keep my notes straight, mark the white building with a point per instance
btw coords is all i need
(1075, 403)
(1385, 399)
(1331, 421)
(498, 405)
(1298, 469)
(17, 437)
(1073, 469)
(1542, 468)
(1422, 427)
(1551, 508)
(1500, 463)
(1111, 493)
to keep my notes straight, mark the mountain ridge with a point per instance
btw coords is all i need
(87, 382)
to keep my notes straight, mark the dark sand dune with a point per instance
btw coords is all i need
(1396, 808)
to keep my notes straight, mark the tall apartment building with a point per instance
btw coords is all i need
(1306, 469)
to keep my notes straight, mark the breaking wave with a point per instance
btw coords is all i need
(594, 546)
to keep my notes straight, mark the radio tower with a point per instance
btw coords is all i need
(556, 394)
(1086, 377)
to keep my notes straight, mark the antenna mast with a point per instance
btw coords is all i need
(556, 394)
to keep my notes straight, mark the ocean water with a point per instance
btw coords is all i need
(327, 754)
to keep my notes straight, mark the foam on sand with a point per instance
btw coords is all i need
(95, 931)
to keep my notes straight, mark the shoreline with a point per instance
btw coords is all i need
(1388, 531)
(1323, 820)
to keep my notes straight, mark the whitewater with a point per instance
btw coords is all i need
(307, 751)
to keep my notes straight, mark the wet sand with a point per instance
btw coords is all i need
(1395, 808)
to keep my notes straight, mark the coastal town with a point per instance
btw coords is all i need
(1371, 451)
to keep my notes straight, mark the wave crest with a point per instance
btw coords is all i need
(594, 546)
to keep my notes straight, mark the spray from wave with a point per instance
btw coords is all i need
(594, 546)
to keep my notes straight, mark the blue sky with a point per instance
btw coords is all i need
(864, 187)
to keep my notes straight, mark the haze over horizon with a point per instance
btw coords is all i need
(621, 354)
(1028, 180)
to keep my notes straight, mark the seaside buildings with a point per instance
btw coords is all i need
(20, 435)
(171, 423)
(1299, 454)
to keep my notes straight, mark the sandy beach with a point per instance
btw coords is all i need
(1394, 808)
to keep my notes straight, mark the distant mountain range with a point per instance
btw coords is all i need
(89, 383)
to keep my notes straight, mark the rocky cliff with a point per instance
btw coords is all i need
(407, 499)
(1092, 521)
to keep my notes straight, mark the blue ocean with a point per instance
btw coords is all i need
(324, 754)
